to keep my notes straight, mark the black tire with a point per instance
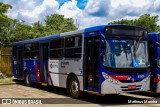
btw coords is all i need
(28, 79)
(74, 88)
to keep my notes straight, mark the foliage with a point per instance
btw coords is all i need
(13, 30)
(146, 21)
(3, 18)
(58, 24)
(7, 81)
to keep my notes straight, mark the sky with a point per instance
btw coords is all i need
(85, 13)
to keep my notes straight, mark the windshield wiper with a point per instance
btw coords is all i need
(136, 46)
(120, 44)
(125, 51)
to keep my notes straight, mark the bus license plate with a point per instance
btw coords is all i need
(131, 86)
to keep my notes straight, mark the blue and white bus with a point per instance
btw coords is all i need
(104, 59)
(154, 55)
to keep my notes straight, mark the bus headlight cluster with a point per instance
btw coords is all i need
(108, 78)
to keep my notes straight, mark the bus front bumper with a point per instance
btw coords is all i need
(108, 87)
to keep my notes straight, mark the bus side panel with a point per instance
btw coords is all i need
(71, 66)
(60, 69)
(53, 66)
(14, 68)
(156, 80)
(32, 67)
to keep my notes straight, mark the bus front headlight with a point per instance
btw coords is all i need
(111, 79)
(105, 75)
(116, 82)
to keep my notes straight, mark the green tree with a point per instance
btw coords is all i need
(146, 21)
(3, 9)
(58, 24)
(37, 30)
(13, 30)
(54, 24)
(4, 22)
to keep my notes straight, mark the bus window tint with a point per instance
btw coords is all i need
(69, 42)
(35, 46)
(34, 50)
(73, 47)
(73, 53)
(26, 55)
(56, 49)
(27, 49)
(58, 43)
(31, 51)
(56, 53)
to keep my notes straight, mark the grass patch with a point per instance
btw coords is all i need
(7, 80)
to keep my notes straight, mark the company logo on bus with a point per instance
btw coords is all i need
(53, 66)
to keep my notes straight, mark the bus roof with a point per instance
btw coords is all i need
(90, 29)
(154, 33)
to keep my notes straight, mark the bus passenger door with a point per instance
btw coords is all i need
(44, 56)
(19, 61)
(152, 50)
(91, 78)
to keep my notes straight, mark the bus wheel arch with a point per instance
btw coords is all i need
(73, 86)
(27, 78)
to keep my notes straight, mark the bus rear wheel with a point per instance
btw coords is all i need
(28, 79)
(74, 88)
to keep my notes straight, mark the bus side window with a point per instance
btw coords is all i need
(27, 49)
(56, 48)
(34, 50)
(73, 46)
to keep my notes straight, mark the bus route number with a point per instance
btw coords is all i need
(140, 76)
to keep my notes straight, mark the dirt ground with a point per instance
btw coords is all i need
(53, 96)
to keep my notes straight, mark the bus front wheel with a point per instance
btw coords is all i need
(28, 79)
(74, 88)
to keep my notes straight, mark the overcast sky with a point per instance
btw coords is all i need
(85, 13)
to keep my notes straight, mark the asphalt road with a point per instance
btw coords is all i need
(58, 97)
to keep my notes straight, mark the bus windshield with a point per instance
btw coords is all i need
(126, 53)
